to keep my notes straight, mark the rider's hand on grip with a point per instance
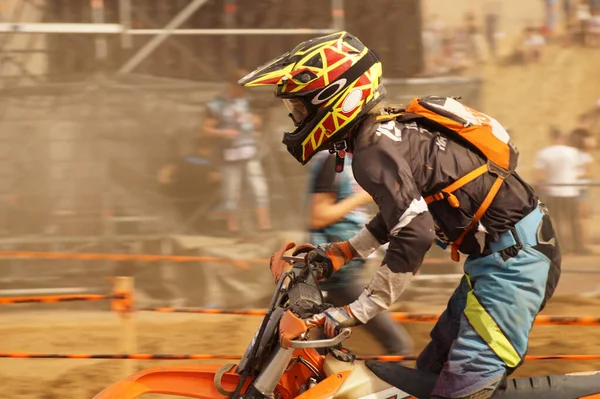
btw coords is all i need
(322, 269)
(334, 255)
(333, 320)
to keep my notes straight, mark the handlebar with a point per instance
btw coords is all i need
(322, 343)
(321, 270)
(294, 259)
(318, 269)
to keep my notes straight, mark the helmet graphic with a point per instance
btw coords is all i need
(327, 83)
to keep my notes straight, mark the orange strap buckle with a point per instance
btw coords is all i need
(478, 215)
(446, 193)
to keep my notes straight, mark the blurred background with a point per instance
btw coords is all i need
(106, 147)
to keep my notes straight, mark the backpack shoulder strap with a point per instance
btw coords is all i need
(400, 115)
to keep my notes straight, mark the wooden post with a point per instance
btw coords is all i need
(124, 286)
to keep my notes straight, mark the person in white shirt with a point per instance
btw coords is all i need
(530, 47)
(556, 166)
(593, 32)
(584, 141)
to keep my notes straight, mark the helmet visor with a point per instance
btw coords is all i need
(297, 109)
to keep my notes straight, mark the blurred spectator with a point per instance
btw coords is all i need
(551, 17)
(583, 140)
(475, 42)
(569, 9)
(556, 166)
(591, 119)
(231, 122)
(437, 48)
(432, 36)
(571, 22)
(583, 21)
(455, 50)
(593, 33)
(491, 25)
(191, 182)
(336, 213)
(531, 46)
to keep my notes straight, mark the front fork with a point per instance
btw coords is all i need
(267, 380)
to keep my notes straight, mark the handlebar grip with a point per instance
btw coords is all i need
(323, 270)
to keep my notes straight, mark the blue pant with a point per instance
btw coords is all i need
(484, 331)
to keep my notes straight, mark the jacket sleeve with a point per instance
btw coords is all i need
(403, 217)
(403, 214)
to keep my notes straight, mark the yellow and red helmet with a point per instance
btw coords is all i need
(328, 83)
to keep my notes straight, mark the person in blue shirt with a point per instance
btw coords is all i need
(231, 123)
(337, 210)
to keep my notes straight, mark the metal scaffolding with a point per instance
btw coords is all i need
(93, 92)
(57, 134)
(98, 27)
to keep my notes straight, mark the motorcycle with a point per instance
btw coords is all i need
(282, 361)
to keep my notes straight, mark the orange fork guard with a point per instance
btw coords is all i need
(290, 327)
(191, 381)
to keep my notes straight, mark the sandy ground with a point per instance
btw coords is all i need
(99, 332)
(74, 328)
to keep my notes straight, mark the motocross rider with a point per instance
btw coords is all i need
(332, 88)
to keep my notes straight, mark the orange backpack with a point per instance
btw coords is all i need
(479, 132)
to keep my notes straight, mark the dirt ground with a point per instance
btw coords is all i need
(99, 332)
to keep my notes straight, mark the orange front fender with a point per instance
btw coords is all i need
(191, 381)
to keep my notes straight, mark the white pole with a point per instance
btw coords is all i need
(147, 49)
(216, 32)
(125, 18)
(87, 28)
(337, 13)
(47, 27)
(97, 7)
(229, 19)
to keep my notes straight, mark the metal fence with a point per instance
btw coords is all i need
(79, 164)
(76, 156)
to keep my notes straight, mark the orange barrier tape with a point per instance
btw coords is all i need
(124, 304)
(242, 264)
(160, 356)
(246, 312)
(397, 316)
(529, 358)
(59, 298)
(145, 258)
(539, 320)
(133, 356)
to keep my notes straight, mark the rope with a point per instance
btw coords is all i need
(168, 356)
(242, 264)
(59, 298)
(397, 316)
